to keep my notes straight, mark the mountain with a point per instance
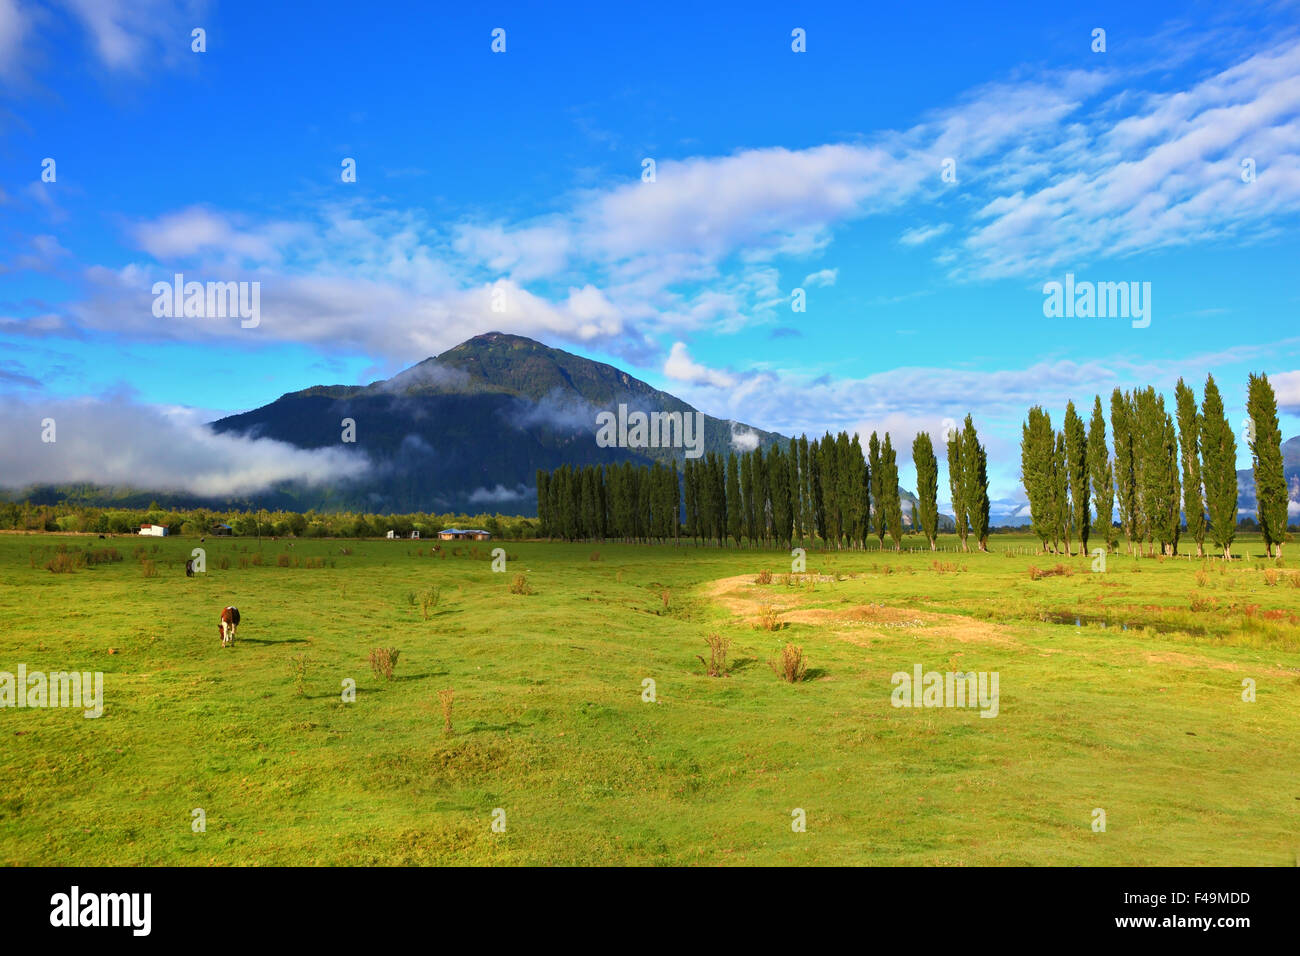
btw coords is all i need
(468, 429)
(1290, 470)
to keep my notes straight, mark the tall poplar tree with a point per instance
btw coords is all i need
(1037, 448)
(927, 486)
(1121, 426)
(734, 525)
(1060, 495)
(877, 486)
(1189, 440)
(1099, 468)
(956, 487)
(1076, 460)
(975, 484)
(1219, 468)
(1266, 458)
(889, 481)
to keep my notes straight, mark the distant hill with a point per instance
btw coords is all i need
(468, 429)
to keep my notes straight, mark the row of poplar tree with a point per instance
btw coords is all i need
(823, 489)
(1159, 476)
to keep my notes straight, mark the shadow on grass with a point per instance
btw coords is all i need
(743, 663)
(259, 641)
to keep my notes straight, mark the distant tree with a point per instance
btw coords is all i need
(927, 486)
(734, 521)
(1271, 498)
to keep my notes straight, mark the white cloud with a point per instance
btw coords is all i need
(682, 368)
(923, 234)
(823, 277)
(121, 443)
(127, 35)
(1286, 386)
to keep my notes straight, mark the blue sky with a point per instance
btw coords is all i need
(521, 172)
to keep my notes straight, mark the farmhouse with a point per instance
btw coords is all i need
(156, 530)
(221, 530)
(456, 534)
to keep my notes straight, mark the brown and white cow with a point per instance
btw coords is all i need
(229, 621)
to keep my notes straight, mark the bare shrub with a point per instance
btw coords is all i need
(768, 619)
(282, 560)
(520, 585)
(717, 662)
(1060, 570)
(383, 661)
(445, 697)
(66, 562)
(664, 595)
(430, 599)
(149, 568)
(1270, 577)
(595, 556)
(764, 577)
(298, 671)
(791, 666)
(1202, 579)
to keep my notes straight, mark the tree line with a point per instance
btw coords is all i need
(1170, 472)
(825, 489)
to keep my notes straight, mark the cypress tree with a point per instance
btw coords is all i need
(1266, 459)
(1076, 455)
(1219, 468)
(1103, 487)
(1189, 435)
(689, 492)
(927, 486)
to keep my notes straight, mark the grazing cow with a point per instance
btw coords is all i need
(229, 621)
(189, 568)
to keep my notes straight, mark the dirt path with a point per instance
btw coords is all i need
(743, 598)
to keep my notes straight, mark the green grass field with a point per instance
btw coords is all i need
(1142, 718)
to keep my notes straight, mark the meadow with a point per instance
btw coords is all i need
(1119, 691)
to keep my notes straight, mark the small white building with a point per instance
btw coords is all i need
(391, 534)
(154, 530)
(415, 536)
